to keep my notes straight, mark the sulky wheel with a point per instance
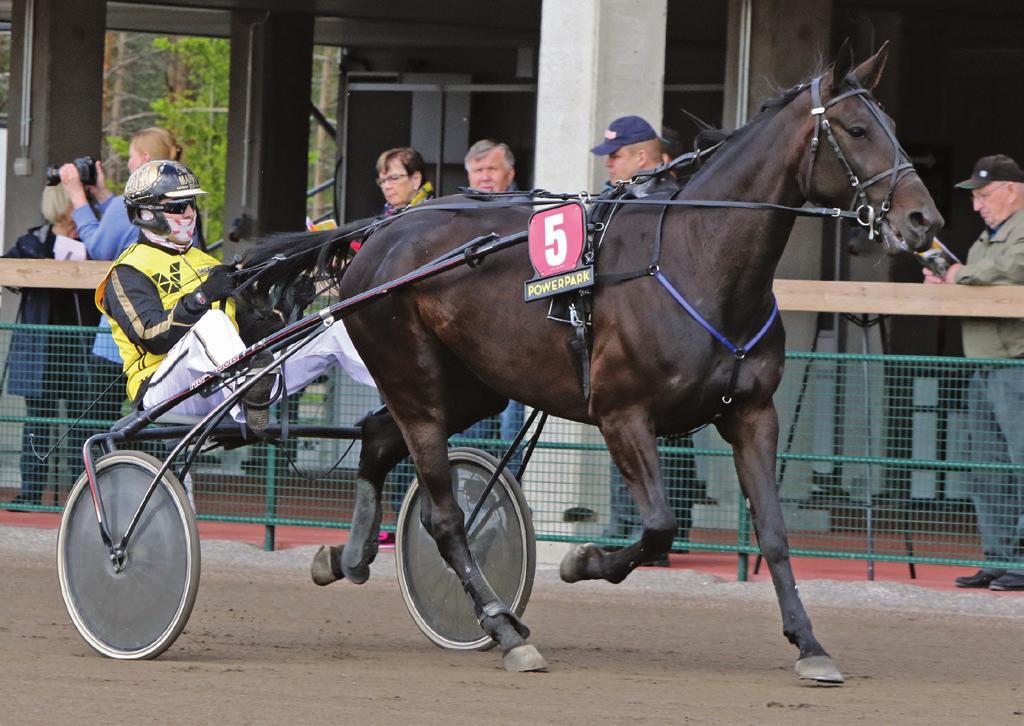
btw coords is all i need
(501, 538)
(137, 612)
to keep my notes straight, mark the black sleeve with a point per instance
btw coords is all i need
(133, 301)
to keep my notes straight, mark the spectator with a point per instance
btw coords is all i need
(994, 397)
(402, 178)
(631, 144)
(38, 366)
(491, 167)
(107, 236)
(110, 234)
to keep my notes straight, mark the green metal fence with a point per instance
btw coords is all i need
(879, 458)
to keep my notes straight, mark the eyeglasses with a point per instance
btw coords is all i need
(179, 206)
(382, 180)
(171, 206)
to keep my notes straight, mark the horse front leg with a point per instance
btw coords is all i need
(632, 445)
(383, 447)
(444, 520)
(754, 435)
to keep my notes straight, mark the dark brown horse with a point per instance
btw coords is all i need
(452, 350)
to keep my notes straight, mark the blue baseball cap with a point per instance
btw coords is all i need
(624, 131)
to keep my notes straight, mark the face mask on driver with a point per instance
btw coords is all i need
(182, 229)
(180, 237)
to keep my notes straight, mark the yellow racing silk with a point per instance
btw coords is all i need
(174, 276)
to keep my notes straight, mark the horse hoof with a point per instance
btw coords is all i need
(326, 567)
(819, 668)
(572, 567)
(524, 659)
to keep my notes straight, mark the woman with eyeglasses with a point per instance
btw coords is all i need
(401, 176)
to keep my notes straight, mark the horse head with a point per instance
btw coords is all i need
(852, 158)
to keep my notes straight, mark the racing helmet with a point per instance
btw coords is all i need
(145, 197)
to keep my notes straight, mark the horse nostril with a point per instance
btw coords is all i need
(925, 224)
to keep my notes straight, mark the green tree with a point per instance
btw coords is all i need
(180, 83)
(196, 108)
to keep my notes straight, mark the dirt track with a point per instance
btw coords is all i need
(265, 645)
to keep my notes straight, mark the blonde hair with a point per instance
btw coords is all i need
(55, 205)
(158, 142)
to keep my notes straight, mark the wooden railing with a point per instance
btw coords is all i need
(894, 298)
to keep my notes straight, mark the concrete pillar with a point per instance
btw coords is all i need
(599, 59)
(56, 117)
(771, 45)
(268, 127)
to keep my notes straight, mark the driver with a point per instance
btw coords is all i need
(171, 309)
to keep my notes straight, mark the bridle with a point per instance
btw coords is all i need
(867, 215)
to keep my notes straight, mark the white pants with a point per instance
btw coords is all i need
(213, 341)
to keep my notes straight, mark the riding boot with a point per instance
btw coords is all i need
(256, 401)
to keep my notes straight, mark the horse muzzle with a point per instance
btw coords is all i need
(911, 232)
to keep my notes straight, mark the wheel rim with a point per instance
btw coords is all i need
(137, 612)
(500, 541)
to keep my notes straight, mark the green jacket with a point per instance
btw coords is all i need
(995, 260)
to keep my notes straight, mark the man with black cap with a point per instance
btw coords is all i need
(994, 397)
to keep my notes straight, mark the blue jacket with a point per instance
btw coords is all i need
(109, 236)
(27, 359)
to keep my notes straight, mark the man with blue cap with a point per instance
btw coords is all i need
(631, 144)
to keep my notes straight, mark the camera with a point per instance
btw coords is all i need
(86, 166)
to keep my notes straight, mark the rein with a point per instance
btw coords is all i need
(861, 211)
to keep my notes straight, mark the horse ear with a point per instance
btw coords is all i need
(869, 73)
(844, 62)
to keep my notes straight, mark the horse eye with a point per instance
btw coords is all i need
(857, 132)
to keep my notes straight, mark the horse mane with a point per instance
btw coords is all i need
(768, 109)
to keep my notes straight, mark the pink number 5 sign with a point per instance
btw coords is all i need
(556, 239)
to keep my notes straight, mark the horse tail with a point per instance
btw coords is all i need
(286, 270)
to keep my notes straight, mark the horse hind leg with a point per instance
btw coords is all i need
(632, 444)
(754, 438)
(383, 447)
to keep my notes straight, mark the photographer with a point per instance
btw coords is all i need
(112, 233)
(109, 235)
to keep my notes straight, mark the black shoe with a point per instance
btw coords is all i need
(21, 503)
(256, 401)
(981, 578)
(1008, 581)
(659, 561)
